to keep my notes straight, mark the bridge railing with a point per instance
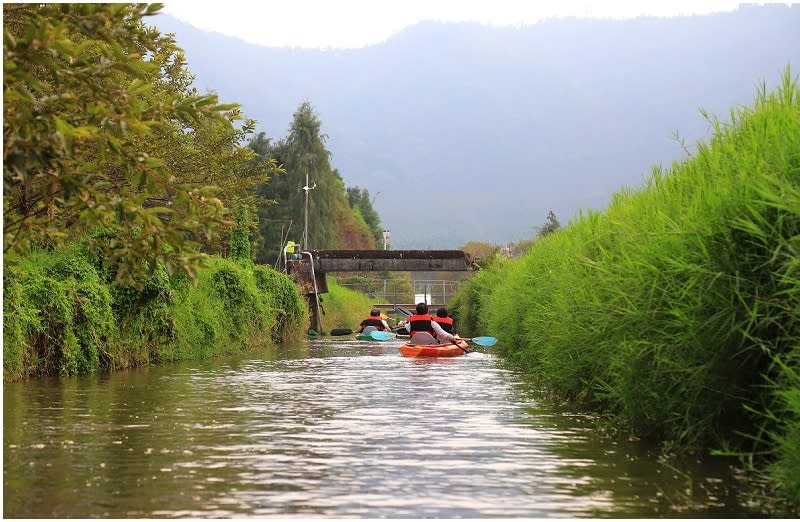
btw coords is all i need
(309, 271)
(438, 291)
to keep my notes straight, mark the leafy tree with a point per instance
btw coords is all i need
(308, 159)
(277, 222)
(550, 226)
(102, 130)
(479, 252)
(331, 221)
(360, 201)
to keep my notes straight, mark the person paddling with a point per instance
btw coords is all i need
(375, 320)
(444, 320)
(423, 322)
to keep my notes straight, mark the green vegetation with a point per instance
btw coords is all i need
(344, 308)
(677, 309)
(123, 186)
(102, 128)
(550, 226)
(62, 315)
(361, 203)
(304, 156)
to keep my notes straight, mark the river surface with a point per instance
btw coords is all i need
(337, 429)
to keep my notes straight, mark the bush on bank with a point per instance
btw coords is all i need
(62, 316)
(677, 309)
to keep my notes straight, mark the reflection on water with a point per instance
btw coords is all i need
(330, 428)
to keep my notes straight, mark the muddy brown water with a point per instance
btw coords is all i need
(333, 428)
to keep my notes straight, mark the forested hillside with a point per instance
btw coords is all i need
(324, 215)
(510, 123)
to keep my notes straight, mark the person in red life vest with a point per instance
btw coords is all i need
(375, 320)
(444, 320)
(423, 322)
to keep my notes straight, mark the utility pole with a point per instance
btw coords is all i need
(307, 189)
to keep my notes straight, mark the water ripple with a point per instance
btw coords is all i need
(349, 430)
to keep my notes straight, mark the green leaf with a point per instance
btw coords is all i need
(113, 144)
(154, 163)
(63, 127)
(161, 210)
(139, 86)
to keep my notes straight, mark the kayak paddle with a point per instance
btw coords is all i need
(402, 311)
(485, 340)
(375, 334)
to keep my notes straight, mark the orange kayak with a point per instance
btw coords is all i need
(435, 350)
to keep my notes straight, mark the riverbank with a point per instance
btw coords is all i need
(62, 315)
(677, 309)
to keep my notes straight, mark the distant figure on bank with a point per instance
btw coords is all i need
(292, 250)
(444, 320)
(375, 320)
(423, 322)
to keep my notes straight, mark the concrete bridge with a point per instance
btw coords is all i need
(309, 272)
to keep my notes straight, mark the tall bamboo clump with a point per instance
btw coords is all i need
(678, 308)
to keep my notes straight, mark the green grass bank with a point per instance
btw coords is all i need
(61, 315)
(344, 308)
(676, 310)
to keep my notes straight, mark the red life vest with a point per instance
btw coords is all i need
(375, 321)
(445, 322)
(420, 323)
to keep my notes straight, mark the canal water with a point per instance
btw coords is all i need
(332, 428)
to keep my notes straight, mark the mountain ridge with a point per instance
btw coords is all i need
(503, 124)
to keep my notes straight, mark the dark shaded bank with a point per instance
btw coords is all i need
(62, 315)
(677, 309)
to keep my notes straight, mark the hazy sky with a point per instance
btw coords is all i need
(356, 23)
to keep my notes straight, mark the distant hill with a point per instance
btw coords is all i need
(467, 132)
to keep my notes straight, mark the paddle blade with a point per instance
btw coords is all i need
(341, 331)
(382, 336)
(486, 340)
(402, 311)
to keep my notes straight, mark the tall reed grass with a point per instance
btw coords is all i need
(677, 308)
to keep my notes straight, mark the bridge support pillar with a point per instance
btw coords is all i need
(311, 284)
(315, 320)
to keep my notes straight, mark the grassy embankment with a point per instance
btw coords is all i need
(346, 308)
(677, 309)
(61, 315)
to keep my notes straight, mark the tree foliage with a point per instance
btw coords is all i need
(550, 226)
(282, 214)
(478, 250)
(360, 201)
(240, 236)
(102, 130)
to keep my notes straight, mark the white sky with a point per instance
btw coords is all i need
(356, 23)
